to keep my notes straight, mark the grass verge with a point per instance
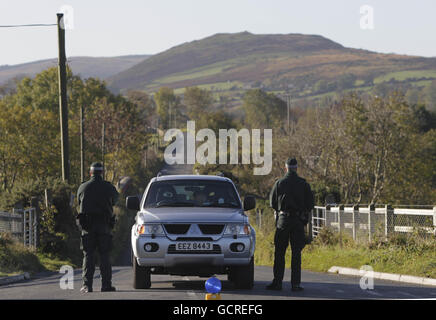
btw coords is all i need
(402, 254)
(15, 258)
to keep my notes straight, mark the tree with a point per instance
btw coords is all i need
(320, 86)
(144, 104)
(346, 81)
(167, 104)
(197, 102)
(374, 149)
(125, 135)
(430, 96)
(30, 135)
(413, 96)
(263, 110)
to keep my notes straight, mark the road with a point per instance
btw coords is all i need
(317, 285)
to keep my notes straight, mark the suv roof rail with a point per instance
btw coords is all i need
(159, 174)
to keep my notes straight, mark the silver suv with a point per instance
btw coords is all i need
(192, 225)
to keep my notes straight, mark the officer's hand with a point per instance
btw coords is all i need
(113, 221)
(83, 221)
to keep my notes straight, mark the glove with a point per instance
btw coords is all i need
(112, 221)
(304, 217)
(83, 221)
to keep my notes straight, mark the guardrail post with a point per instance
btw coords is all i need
(434, 220)
(311, 220)
(24, 228)
(327, 216)
(31, 215)
(340, 218)
(35, 228)
(356, 223)
(340, 222)
(315, 224)
(371, 211)
(389, 221)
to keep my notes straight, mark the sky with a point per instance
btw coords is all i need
(125, 27)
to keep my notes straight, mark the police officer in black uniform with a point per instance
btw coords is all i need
(292, 200)
(96, 198)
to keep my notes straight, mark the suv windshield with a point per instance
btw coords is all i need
(192, 193)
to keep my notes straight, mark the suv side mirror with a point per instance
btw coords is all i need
(249, 203)
(132, 203)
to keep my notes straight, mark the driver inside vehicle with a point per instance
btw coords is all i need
(166, 193)
(200, 197)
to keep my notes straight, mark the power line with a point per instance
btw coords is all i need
(29, 25)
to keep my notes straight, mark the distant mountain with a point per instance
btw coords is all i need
(101, 67)
(305, 64)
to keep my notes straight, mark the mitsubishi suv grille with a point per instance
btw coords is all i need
(211, 228)
(177, 228)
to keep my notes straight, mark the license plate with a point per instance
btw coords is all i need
(193, 246)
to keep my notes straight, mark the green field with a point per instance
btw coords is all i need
(221, 87)
(404, 75)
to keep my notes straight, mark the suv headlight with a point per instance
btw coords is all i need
(149, 229)
(237, 229)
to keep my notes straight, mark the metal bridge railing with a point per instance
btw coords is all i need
(364, 223)
(22, 225)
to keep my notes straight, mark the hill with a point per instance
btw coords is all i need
(306, 65)
(101, 67)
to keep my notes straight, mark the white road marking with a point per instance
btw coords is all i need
(407, 294)
(190, 293)
(374, 293)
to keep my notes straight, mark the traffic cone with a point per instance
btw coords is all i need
(213, 296)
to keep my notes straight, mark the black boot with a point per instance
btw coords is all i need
(297, 288)
(274, 285)
(108, 289)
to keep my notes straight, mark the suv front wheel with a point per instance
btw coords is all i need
(243, 276)
(141, 276)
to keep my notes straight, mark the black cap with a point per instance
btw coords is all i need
(291, 163)
(96, 167)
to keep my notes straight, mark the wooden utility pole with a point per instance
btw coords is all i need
(63, 107)
(175, 117)
(103, 129)
(169, 118)
(82, 144)
(288, 103)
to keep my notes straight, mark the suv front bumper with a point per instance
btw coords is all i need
(166, 256)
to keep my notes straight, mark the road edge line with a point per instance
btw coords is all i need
(384, 276)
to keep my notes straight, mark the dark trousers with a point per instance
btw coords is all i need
(92, 241)
(290, 230)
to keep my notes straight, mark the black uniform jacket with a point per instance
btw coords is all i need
(96, 197)
(291, 194)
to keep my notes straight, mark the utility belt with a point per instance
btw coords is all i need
(96, 216)
(286, 213)
(85, 220)
(300, 214)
